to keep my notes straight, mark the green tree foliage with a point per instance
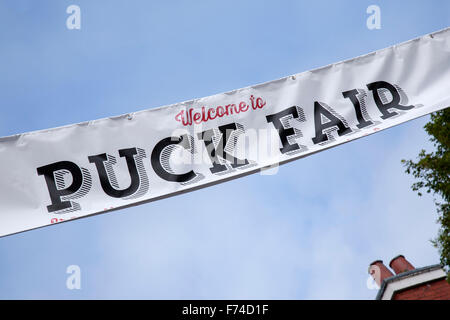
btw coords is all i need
(432, 173)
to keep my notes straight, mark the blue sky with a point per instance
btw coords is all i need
(308, 232)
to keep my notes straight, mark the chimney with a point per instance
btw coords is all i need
(379, 271)
(399, 264)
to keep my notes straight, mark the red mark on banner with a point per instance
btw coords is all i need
(57, 220)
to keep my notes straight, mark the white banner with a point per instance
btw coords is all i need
(56, 175)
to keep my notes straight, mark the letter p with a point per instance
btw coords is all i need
(65, 181)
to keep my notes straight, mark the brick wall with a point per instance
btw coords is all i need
(435, 290)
